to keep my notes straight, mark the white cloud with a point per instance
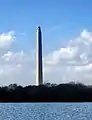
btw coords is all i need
(17, 68)
(71, 63)
(6, 39)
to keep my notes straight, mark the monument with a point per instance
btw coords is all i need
(39, 66)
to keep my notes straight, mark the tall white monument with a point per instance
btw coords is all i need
(39, 69)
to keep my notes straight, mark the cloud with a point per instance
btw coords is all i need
(6, 39)
(70, 63)
(17, 68)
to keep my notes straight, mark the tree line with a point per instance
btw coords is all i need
(69, 92)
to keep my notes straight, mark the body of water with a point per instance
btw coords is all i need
(45, 111)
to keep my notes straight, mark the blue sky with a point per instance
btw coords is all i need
(60, 20)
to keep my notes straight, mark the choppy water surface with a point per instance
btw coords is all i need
(45, 111)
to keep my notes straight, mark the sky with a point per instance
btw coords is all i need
(67, 40)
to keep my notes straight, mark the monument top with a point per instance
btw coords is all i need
(39, 28)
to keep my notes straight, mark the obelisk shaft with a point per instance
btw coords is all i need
(39, 70)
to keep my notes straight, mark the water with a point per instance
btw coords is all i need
(45, 111)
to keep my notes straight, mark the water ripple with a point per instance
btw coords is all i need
(45, 111)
